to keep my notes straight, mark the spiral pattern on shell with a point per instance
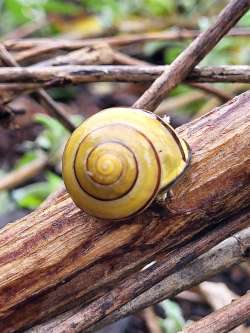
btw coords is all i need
(111, 164)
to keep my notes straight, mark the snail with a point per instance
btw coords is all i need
(118, 161)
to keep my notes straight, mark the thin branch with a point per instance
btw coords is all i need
(173, 103)
(50, 44)
(20, 176)
(124, 59)
(151, 320)
(53, 108)
(225, 319)
(192, 55)
(222, 95)
(100, 53)
(62, 75)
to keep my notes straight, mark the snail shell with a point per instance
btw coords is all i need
(118, 161)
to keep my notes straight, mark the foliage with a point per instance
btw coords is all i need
(174, 321)
(31, 196)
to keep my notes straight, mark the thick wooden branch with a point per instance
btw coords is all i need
(59, 256)
(71, 74)
(233, 250)
(225, 319)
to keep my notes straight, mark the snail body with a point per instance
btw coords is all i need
(118, 161)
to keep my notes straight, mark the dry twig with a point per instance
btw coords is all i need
(33, 77)
(120, 40)
(225, 319)
(50, 104)
(192, 55)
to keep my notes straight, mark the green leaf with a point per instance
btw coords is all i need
(245, 20)
(172, 52)
(54, 133)
(15, 9)
(174, 321)
(31, 196)
(61, 7)
(26, 158)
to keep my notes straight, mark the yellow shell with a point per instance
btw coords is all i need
(117, 162)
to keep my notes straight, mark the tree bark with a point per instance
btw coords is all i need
(233, 250)
(59, 256)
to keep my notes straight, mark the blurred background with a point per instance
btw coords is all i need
(32, 142)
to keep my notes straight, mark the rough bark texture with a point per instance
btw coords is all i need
(225, 319)
(58, 255)
(103, 309)
(231, 251)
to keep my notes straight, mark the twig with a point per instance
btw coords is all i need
(61, 75)
(54, 109)
(25, 30)
(223, 96)
(191, 56)
(225, 319)
(151, 320)
(50, 44)
(124, 59)
(222, 256)
(20, 176)
(173, 103)
(214, 102)
(100, 53)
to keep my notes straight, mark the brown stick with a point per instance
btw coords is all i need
(100, 53)
(54, 109)
(225, 319)
(50, 44)
(137, 283)
(61, 75)
(191, 56)
(61, 243)
(173, 103)
(17, 177)
(231, 251)
(124, 59)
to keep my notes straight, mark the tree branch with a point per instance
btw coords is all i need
(225, 319)
(55, 109)
(33, 77)
(233, 250)
(120, 40)
(59, 256)
(192, 55)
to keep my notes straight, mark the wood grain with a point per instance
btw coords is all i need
(58, 255)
